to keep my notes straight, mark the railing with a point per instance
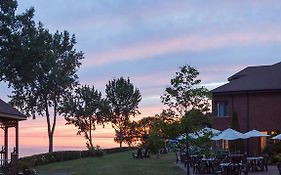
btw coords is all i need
(8, 166)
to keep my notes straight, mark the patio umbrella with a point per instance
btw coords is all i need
(255, 133)
(229, 134)
(204, 131)
(181, 137)
(278, 137)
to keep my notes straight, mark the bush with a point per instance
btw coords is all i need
(41, 159)
(276, 158)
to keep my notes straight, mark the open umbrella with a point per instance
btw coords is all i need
(278, 137)
(229, 134)
(255, 133)
(204, 131)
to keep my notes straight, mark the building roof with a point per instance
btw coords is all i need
(8, 112)
(256, 78)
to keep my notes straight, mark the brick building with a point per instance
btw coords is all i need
(255, 94)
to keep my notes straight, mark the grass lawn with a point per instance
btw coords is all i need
(114, 164)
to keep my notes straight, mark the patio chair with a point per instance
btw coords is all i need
(233, 169)
(265, 161)
(245, 168)
(198, 166)
(216, 168)
(279, 167)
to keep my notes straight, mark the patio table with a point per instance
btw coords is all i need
(225, 166)
(208, 164)
(255, 162)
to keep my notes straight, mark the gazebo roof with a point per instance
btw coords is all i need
(7, 112)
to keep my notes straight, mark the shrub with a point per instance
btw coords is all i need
(276, 158)
(41, 159)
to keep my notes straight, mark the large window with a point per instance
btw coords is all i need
(222, 109)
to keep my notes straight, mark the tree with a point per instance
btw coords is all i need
(130, 133)
(155, 140)
(123, 100)
(39, 66)
(85, 109)
(54, 77)
(184, 93)
(18, 44)
(236, 144)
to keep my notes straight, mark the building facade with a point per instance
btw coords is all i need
(254, 94)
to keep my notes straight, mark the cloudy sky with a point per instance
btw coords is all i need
(147, 40)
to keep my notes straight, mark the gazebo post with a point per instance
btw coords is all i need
(17, 138)
(6, 143)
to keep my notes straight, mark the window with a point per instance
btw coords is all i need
(222, 109)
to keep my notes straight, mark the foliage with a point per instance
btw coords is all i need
(18, 44)
(184, 93)
(85, 109)
(40, 66)
(123, 100)
(46, 158)
(194, 120)
(236, 145)
(276, 158)
(130, 133)
(155, 140)
(273, 150)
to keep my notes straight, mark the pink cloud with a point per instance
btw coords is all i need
(184, 43)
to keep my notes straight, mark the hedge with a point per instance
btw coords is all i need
(42, 159)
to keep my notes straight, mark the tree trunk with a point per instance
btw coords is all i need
(50, 135)
(51, 142)
(121, 138)
(90, 134)
(51, 129)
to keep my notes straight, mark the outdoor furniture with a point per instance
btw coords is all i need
(208, 164)
(279, 167)
(198, 166)
(217, 169)
(231, 168)
(265, 161)
(255, 163)
(183, 159)
(237, 158)
(245, 168)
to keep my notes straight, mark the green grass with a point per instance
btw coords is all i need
(114, 164)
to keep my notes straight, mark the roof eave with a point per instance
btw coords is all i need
(246, 91)
(11, 116)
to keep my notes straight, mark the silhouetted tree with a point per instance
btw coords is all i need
(184, 92)
(130, 133)
(39, 66)
(123, 100)
(85, 109)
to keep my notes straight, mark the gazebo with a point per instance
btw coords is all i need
(9, 118)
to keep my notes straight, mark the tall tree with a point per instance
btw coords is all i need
(184, 95)
(184, 92)
(130, 133)
(123, 100)
(40, 66)
(18, 44)
(85, 109)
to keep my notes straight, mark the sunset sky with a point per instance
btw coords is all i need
(147, 40)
